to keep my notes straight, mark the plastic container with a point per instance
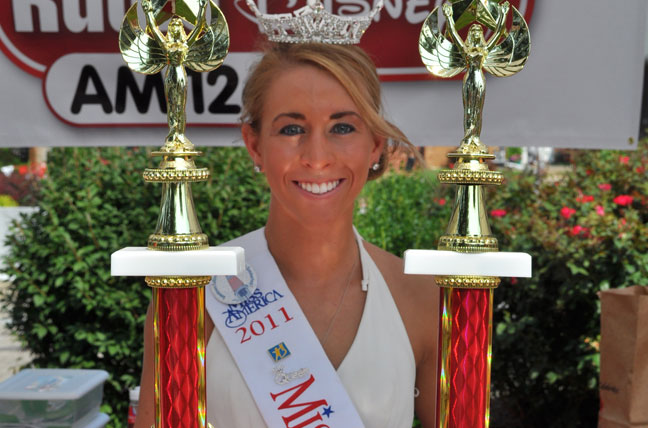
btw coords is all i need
(95, 420)
(51, 398)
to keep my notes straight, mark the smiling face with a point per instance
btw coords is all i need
(313, 146)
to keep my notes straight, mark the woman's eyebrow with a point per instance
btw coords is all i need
(341, 114)
(291, 115)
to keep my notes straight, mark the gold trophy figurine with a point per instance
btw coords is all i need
(447, 58)
(148, 52)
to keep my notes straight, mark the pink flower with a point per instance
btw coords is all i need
(605, 187)
(640, 170)
(498, 213)
(22, 169)
(38, 169)
(567, 212)
(442, 201)
(585, 198)
(600, 210)
(624, 159)
(579, 230)
(623, 200)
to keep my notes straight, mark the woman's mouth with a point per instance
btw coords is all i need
(319, 188)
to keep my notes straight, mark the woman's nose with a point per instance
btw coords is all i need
(317, 152)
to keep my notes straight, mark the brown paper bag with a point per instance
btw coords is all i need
(624, 358)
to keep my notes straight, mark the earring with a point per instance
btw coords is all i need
(257, 168)
(375, 166)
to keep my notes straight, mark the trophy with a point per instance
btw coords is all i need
(468, 265)
(178, 262)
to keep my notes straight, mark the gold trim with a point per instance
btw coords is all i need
(156, 333)
(159, 175)
(489, 359)
(177, 281)
(181, 242)
(175, 153)
(200, 355)
(470, 155)
(467, 281)
(468, 244)
(444, 379)
(466, 176)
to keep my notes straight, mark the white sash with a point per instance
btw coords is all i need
(283, 363)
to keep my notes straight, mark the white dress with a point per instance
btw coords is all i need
(378, 371)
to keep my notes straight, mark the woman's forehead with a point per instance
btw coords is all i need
(306, 87)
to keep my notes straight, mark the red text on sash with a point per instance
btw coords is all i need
(305, 408)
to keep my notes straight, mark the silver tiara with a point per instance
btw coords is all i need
(313, 23)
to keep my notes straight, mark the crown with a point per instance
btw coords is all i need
(313, 23)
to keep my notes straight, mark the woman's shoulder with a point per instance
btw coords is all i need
(416, 296)
(391, 267)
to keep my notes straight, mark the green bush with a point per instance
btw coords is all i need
(401, 211)
(584, 238)
(587, 232)
(63, 303)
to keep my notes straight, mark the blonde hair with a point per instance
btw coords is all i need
(350, 66)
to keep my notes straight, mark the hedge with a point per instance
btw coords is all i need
(587, 232)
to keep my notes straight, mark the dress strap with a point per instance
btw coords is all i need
(364, 260)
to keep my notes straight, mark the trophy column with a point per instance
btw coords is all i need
(468, 264)
(177, 262)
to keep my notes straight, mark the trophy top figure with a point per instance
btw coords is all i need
(149, 51)
(503, 54)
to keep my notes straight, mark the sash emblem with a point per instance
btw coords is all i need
(279, 352)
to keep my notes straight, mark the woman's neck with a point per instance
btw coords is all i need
(312, 255)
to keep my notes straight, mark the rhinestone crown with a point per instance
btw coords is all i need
(313, 23)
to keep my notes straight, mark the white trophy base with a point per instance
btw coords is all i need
(140, 261)
(434, 262)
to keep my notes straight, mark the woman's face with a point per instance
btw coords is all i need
(313, 146)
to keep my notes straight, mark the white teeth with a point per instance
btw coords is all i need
(319, 189)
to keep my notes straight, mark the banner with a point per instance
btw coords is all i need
(64, 82)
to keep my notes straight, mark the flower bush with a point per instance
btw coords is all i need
(586, 232)
(62, 302)
(20, 183)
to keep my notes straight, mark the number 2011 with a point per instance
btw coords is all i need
(258, 327)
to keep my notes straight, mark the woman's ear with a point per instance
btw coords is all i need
(251, 140)
(380, 146)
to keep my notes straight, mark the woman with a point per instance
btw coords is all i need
(312, 124)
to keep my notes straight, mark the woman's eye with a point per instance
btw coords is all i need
(342, 128)
(291, 130)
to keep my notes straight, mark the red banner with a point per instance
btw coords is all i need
(73, 46)
(35, 33)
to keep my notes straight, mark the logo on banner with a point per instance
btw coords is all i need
(72, 45)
